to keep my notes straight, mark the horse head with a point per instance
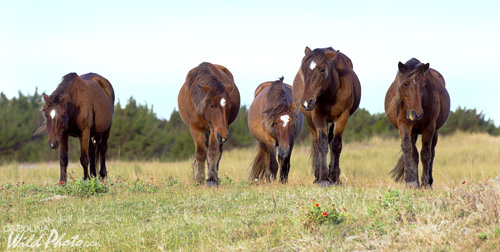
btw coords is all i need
(56, 116)
(216, 107)
(280, 118)
(315, 71)
(411, 84)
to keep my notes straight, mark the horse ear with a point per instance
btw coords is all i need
(307, 51)
(45, 97)
(204, 88)
(425, 68)
(331, 55)
(401, 67)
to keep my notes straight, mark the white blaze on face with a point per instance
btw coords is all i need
(223, 102)
(285, 119)
(305, 104)
(53, 113)
(313, 65)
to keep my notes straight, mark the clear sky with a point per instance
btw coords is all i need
(146, 48)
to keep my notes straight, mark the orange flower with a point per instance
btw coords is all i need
(463, 182)
(316, 204)
(312, 199)
(61, 182)
(325, 214)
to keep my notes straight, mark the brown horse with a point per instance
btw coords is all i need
(274, 121)
(81, 106)
(417, 103)
(328, 91)
(209, 102)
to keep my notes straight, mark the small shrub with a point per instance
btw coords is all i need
(482, 236)
(81, 187)
(315, 214)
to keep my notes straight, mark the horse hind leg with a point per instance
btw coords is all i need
(102, 144)
(428, 153)
(92, 157)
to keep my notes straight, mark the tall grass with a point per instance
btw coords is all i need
(157, 206)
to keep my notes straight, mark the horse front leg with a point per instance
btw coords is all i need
(273, 164)
(200, 144)
(63, 158)
(336, 146)
(84, 154)
(214, 155)
(410, 167)
(285, 167)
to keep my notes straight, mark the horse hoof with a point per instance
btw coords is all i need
(325, 183)
(412, 184)
(211, 184)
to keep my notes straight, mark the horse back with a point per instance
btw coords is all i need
(102, 82)
(349, 80)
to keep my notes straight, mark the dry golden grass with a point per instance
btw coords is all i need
(168, 215)
(459, 157)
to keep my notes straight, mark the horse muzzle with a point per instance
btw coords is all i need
(309, 104)
(221, 139)
(283, 152)
(413, 116)
(54, 145)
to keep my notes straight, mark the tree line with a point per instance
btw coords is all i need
(138, 134)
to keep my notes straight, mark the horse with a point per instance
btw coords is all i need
(209, 102)
(83, 107)
(417, 102)
(274, 121)
(328, 91)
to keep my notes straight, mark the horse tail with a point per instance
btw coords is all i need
(399, 170)
(258, 165)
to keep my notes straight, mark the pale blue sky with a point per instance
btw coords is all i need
(146, 48)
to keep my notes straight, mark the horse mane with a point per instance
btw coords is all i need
(277, 100)
(412, 64)
(204, 76)
(66, 80)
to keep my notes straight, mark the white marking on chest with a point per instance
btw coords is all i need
(223, 102)
(313, 65)
(53, 113)
(285, 119)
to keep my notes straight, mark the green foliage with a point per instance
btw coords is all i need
(83, 188)
(394, 203)
(138, 134)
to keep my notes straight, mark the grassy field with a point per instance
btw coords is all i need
(148, 206)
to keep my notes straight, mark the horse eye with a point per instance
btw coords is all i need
(274, 124)
(322, 70)
(212, 106)
(405, 84)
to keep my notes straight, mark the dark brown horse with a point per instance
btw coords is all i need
(274, 121)
(328, 91)
(81, 106)
(417, 103)
(209, 102)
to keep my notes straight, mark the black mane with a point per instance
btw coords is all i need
(277, 100)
